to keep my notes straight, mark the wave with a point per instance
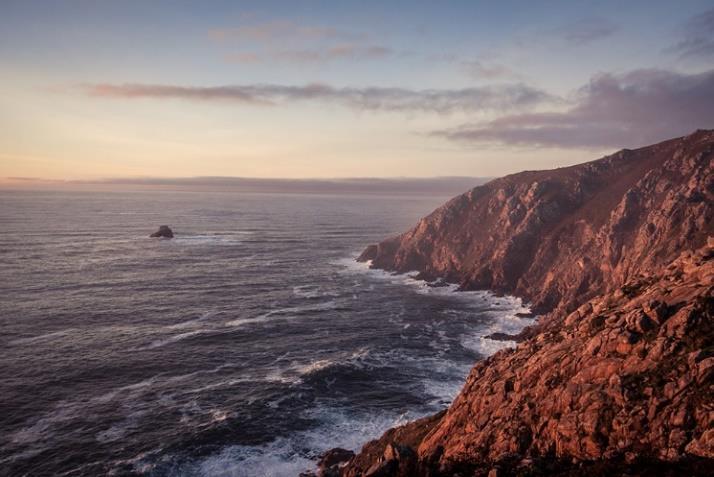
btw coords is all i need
(312, 291)
(444, 289)
(289, 456)
(173, 339)
(288, 313)
(502, 310)
(50, 425)
(232, 238)
(485, 346)
(315, 366)
(295, 372)
(43, 431)
(194, 322)
(43, 337)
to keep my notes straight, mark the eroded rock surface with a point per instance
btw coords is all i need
(627, 375)
(560, 237)
(618, 377)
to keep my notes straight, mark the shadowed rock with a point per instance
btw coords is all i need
(163, 232)
(332, 461)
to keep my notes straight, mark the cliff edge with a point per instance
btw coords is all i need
(618, 377)
(562, 236)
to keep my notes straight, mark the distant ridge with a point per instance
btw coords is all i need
(444, 186)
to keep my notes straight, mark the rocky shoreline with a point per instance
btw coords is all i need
(617, 377)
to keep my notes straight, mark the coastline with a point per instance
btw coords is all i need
(622, 274)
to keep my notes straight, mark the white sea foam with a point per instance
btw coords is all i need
(501, 310)
(485, 346)
(276, 459)
(48, 425)
(44, 337)
(173, 339)
(280, 376)
(287, 313)
(315, 366)
(117, 431)
(231, 238)
(450, 290)
(295, 371)
(288, 456)
(193, 322)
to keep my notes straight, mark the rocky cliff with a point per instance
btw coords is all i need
(560, 237)
(619, 375)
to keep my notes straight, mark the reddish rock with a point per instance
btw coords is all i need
(563, 236)
(618, 376)
(332, 461)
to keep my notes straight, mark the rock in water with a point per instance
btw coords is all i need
(163, 232)
(332, 461)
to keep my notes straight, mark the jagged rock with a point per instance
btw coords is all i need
(163, 232)
(394, 453)
(331, 461)
(618, 376)
(560, 237)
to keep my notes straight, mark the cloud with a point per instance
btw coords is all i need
(337, 52)
(308, 44)
(132, 91)
(280, 30)
(486, 98)
(698, 38)
(588, 30)
(479, 69)
(245, 58)
(637, 108)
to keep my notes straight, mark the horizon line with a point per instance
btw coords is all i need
(441, 185)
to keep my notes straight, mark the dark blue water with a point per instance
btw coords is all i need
(245, 346)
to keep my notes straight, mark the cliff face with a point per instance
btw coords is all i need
(560, 237)
(627, 375)
(620, 373)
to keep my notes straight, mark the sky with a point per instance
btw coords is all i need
(309, 89)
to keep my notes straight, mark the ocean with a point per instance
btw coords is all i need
(245, 346)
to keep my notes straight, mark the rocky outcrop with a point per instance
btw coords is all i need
(331, 463)
(163, 232)
(395, 453)
(560, 237)
(626, 381)
(618, 377)
(628, 375)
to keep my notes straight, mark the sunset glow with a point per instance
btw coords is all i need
(290, 89)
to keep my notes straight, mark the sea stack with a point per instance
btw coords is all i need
(163, 232)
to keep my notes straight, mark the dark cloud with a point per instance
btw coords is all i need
(698, 38)
(486, 98)
(637, 108)
(587, 30)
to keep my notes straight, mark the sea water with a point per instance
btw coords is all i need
(245, 346)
